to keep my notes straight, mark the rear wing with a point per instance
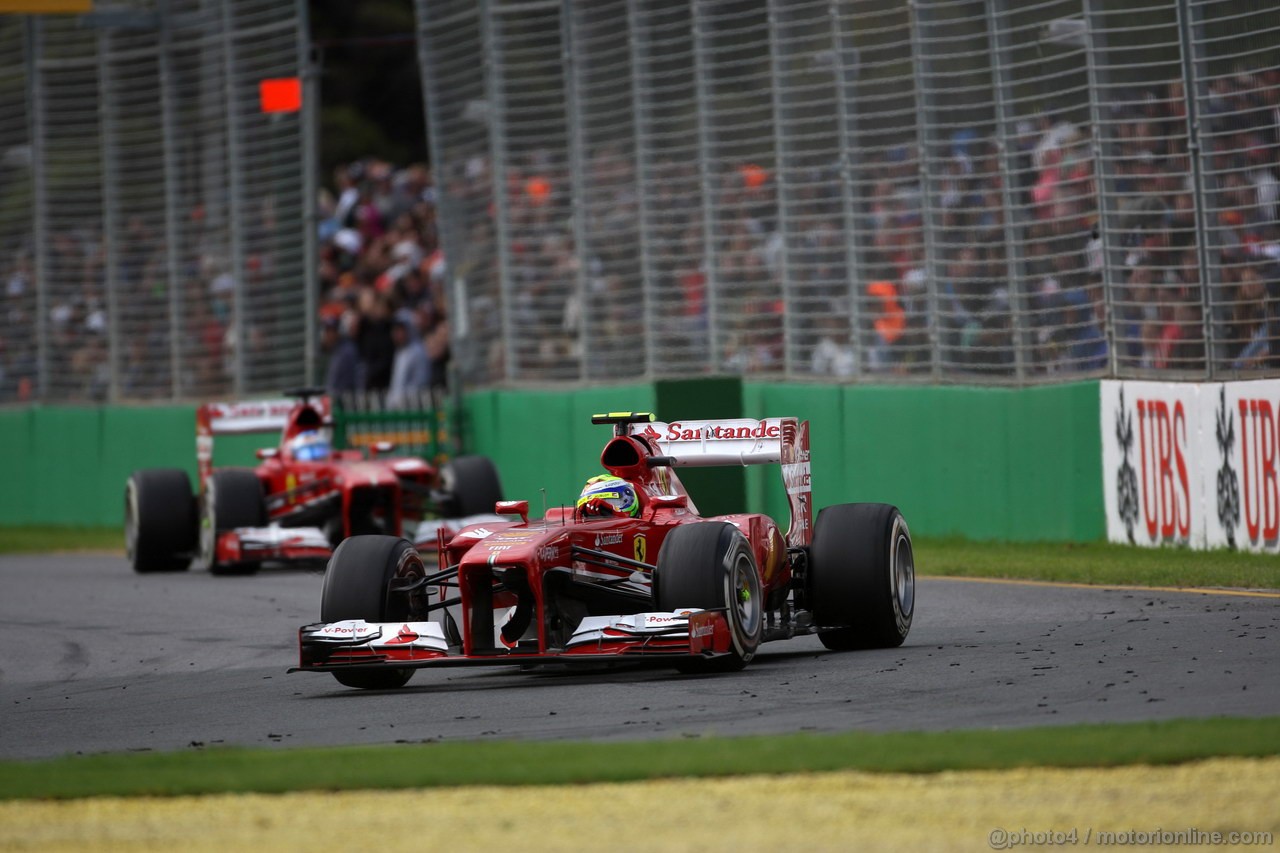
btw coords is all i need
(253, 416)
(735, 441)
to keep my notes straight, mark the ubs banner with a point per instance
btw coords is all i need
(1193, 464)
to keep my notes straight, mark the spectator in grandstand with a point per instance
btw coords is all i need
(436, 340)
(344, 372)
(888, 322)
(833, 355)
(411, 369)
(373, 339)
(1248, 332)
(1086, 346)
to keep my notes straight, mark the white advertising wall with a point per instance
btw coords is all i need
(1193, 464)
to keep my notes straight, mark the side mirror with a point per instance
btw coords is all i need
(513, 507)
(267, 452)
(669, 501)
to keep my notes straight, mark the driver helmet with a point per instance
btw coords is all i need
(611, 490)
(309, 446)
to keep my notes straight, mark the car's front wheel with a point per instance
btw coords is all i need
(355, 587)
(472, 485)
(861, 577)
(159, 520)
(233, 498)
(709, 565)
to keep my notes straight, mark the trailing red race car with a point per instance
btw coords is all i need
(300, 501)
(632, 572)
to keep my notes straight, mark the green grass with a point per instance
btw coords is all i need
(543, 763)
(35, 540)
(1097, 563)
(1091, 563)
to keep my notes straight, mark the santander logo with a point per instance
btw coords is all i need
(677, 431)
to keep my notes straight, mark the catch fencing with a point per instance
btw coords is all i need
(857, 190)
(152, 237)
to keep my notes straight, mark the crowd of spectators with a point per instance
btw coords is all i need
(940, 281)
(384, 325)
(79, 324)
(936, 279)
(928, 280)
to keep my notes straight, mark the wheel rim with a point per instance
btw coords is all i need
(410, 566)
(208, 533)
(904, 575)
(131, 522)
(744, 595)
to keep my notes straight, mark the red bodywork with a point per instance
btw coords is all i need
(568, 587)
(350, 492)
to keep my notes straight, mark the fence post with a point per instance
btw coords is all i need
(924, 155)
(1104, 180)
(846, 95)
(39, 198)
(235, 205)
(310, 132)
(108, 132)
(172, 215)
(640, 108)
(490, 34)
(709, 230)
(577, 185)
(1191, 25)
(782, 153)
(1005, 132)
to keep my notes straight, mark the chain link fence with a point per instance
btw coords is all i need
(152, 238)
(858, 190)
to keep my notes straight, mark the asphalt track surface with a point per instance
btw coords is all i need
(94, 658)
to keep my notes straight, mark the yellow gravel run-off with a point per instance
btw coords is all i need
(955, 810)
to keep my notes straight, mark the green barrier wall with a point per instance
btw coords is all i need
(986, 463)
(545, 439)
(68, 465)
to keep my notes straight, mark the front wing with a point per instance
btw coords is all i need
(274, 543)
(354, 643)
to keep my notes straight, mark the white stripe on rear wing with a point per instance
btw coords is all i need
(745, 441)
(733, 441)
(239, 418)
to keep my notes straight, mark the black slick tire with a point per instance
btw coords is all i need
(355, 587)
(233, 498)
(861, 577)
(160, 522)
(472, 483)
(710, 565)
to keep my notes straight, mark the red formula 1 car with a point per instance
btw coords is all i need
(664, 583)
(300, 501)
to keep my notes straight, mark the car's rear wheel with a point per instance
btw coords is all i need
(355, 587)
(233, 498)
(861, 577)
(159, 520)
(472, 484)
(709, 565)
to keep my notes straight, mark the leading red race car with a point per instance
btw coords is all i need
(301, 500)
(572, 587)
